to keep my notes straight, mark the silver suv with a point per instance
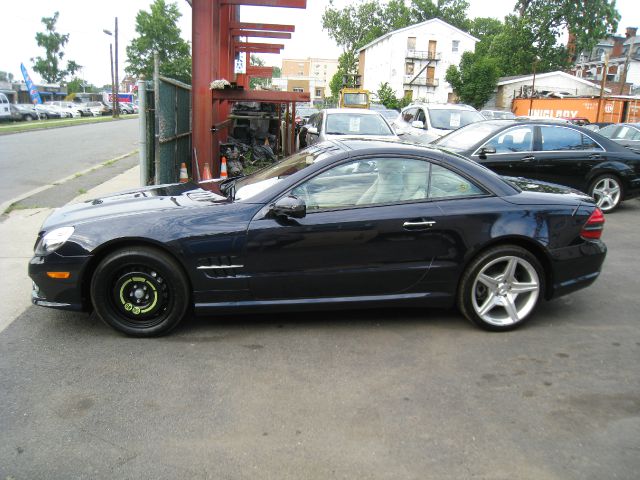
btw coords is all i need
(426, 122)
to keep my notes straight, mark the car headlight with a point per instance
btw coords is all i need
(53, 240)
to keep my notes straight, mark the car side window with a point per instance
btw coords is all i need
(518, 139)
(628, 133)
(318, 122)
(366, 182)
(420, 116)
(565, 139)
(445, 183)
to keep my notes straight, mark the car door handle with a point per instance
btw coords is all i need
(418, 225)
(529, 158)
(594, 156)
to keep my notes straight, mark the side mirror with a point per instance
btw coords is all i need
(292, 207)
(417, 124)
(485, 150)
(312, 130)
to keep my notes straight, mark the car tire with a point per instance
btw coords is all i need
(27, 118)
(501, 288)
(607, 191)
(140, 291)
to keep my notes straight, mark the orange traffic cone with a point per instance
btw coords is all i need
(184, 177)
(206, 172)
(223, 167)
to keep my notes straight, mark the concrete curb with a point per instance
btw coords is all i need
(5, 205)
(17, 236)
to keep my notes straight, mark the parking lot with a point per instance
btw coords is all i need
(365, 394)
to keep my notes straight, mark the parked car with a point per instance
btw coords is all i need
(389, 114)
(72, 109)
(125, 108)
(333, 122)
(99, 108)
(49, 111)
(595, 127)
(345, 223)
(497, 114)
(423, 123)
(626, 134)
(559, 153)
(5, 107)
(24, 111)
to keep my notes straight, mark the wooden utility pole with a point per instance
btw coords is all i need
(605, 71)
(623, 80)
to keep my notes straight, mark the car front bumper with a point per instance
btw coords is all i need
(59, 293)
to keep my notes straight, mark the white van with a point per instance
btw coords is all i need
(5, 108)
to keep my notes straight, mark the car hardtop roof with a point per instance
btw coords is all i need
(351, 110)
(442, 106)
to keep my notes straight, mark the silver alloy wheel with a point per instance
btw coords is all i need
(505, 291)
(607, 192)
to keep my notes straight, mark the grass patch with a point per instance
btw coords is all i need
(82, 191)
(17, 127)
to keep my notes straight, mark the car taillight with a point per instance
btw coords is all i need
(592, 230)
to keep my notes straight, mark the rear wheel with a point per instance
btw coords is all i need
(606, 190)
(140, 291)
(501, 288)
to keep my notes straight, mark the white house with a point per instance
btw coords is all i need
(414, 60)
(557, 82)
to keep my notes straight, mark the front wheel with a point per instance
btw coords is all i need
(140, 291)
(501, 288)
(606, 190)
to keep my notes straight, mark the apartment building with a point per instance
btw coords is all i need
(414, 60)
(311, 75)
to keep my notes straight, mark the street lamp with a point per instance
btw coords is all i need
(114, 71)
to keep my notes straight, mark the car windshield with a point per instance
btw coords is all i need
(355, 99)
(356, 124)
(467, 137)
(452, 119)
(255, 183)
(389, 114)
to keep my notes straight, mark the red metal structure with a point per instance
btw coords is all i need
(217, 30)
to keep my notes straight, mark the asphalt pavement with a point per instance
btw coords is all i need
(36, 159)
(375, 394)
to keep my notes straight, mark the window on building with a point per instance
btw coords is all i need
(408, 68)
(301, 73)
(455, 45)
(411, 43)
(318, 92)
(298, 89)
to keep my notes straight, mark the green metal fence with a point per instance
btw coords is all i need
(167, 129)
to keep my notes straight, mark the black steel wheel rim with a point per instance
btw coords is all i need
(141, 296)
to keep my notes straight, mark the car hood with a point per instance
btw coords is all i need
(538, 192)
(130, 202)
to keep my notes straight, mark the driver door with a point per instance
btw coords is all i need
(369, 230)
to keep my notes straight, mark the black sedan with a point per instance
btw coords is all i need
(552, 152)
(342, 224)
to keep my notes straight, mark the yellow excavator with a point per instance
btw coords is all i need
(354, 98)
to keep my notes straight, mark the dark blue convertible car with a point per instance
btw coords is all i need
(342, 224)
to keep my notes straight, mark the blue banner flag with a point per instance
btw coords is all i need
(33, 91)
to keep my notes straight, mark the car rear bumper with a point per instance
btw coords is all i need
(59, 293)
(576, 267)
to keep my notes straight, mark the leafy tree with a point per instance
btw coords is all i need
(79, 85)
(53, 42)
(476, 79)
(589, 20)
(158, 32)
(454, 12)
(387, 97)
